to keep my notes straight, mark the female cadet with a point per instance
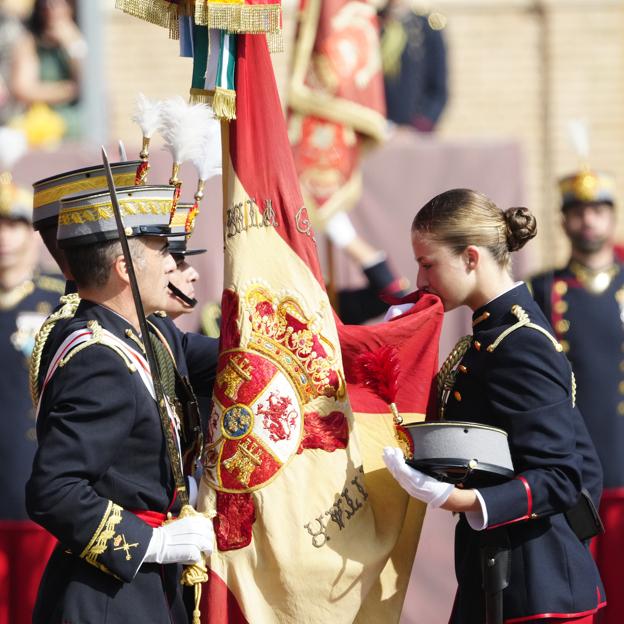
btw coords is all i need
(512, 375)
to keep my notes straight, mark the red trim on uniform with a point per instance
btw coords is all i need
(67, 347)
(529, 511)
(558, 616)
(154, 518)
(529, 494)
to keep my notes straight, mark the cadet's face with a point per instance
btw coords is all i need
(183, 278)
(589, 226)
(441, 272)
(16, 241)
(153, 273)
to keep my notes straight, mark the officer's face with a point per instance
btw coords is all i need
(183, 278)
(442, 272)
(589, 226)
(153, 273)
(16, 243)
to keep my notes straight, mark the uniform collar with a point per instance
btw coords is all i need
(110, 320)
(498, 311)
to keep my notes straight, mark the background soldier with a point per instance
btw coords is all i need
(584, 302)
(26, 298)
(414, 64)
(107, 469)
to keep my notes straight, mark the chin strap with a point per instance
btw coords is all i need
(189, 301)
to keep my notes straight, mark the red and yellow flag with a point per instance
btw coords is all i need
(309, 526)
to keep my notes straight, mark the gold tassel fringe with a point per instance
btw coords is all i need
(159, 12)
(201, 96)
(235, 17)
(275, 41)
(224, 103)
(238, 18)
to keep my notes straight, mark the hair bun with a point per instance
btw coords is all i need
(521, 227)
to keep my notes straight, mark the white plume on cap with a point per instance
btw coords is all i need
(148, 115)
(207, 160)
(185, 128)
(13, 145)
(579, 137)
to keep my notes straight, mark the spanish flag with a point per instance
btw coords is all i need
(310, 527)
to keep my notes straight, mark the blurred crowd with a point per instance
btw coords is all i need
(42, 57)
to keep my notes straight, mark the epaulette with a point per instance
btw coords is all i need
(66, 311)
(523, 321)
(51, 283)
(97, 337)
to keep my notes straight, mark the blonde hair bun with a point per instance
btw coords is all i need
(521, 227)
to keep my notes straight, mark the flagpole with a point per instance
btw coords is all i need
(330, 282)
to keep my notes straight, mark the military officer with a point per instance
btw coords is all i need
(584, 302)
(414, 64)
(511, 374)
(181, 296)
(107, 470)
(26, 297)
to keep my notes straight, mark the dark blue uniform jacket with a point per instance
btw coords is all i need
(591, 328)
(521, 383)
(102, 455)
(19, 323)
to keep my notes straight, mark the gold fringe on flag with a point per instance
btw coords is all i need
(159, 12)
(238, 17)
(201, 96)
(224, 103)
(275, 41)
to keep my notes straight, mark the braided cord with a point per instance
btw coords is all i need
(67, 310)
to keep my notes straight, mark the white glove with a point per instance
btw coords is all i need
(181, 541)
(340, 230)
(414, 482)
(396, 310)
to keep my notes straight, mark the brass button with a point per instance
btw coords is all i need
(31, 434)
(565, 345)
(622, 366)
(621, 387)
(477, 345)
(561, 288)
(562, 326)
(561, 307)
(463, 369)
(457, 395)
(621, 408)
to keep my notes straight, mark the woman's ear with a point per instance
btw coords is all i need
(471, 257)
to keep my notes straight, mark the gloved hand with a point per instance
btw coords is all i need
(414, 482)
(396, 310)
(340, 230)
(181, 541)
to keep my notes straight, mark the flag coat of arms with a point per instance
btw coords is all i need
(309, 526)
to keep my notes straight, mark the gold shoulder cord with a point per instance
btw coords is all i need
(445, 379)
(67, 310)
(98, 338)
(523, 321)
